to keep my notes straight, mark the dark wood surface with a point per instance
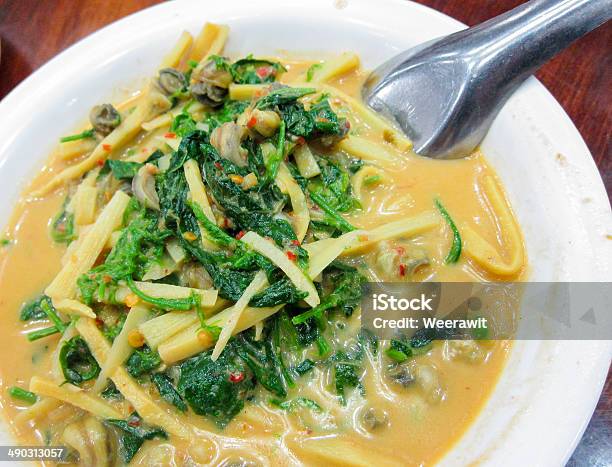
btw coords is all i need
(580, 78)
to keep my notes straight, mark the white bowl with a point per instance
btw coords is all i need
(548, 390)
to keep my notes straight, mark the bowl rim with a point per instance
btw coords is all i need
(34, 86)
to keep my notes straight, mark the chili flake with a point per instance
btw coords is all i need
(236, 377)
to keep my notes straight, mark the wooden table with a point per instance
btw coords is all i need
(33, 31)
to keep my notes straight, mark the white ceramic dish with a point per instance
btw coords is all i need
(547, 393)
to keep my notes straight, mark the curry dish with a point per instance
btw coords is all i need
(181, 283)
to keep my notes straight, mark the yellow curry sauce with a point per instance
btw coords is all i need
(419, 426)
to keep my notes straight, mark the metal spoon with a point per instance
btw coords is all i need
(445, 93)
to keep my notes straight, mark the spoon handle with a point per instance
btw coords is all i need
(445, 93)
(521, 40)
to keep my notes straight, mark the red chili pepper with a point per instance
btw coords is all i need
(300, 140)
(107, 147)
(252, 122)
(263, 71)
(100, 162)
(347, 125)
(170, 135)
(134, 423)
(291, 255)
(218, 165)
(295, 242)
(236, 377)
(240, 234)
(402, 270)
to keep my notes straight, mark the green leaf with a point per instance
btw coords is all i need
(227, 113)
(249, 210)
(334, 186)
(133, 432)
(251, 70)
(372, 180)
(110, 392)
(455, 250)
(304, 367)
(142, 361)
(345, 295)
(263, 359)
(62, 226)
(111, 330)
(334, 216)
(215, 233)
(297, 403)
(141, 243)
(311, 71)
(282, 291)
(167, 304)
(277, 157)
(216, 389)
(284, 95)
(22, 395)
(41, 333)
(317, 122)
(77, 363)
(345, 374)
(183, 123)
(84, 135)
(402, 349)
(32, 311)
(396, 355)
(49, 310)
(166, 389)
(123, 169)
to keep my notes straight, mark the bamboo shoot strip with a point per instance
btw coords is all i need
(335, 67)
(174, 57)
(402, 228)
(150, 411)
(323, 252)
(152, 105)
(73, 307)
(121, 350)
(182, 296)
(65, 283)
(73, 395)
(481, 251)
(162, 328)
(301, 215)
(279, 258)
(258, 283)
(187, 343)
